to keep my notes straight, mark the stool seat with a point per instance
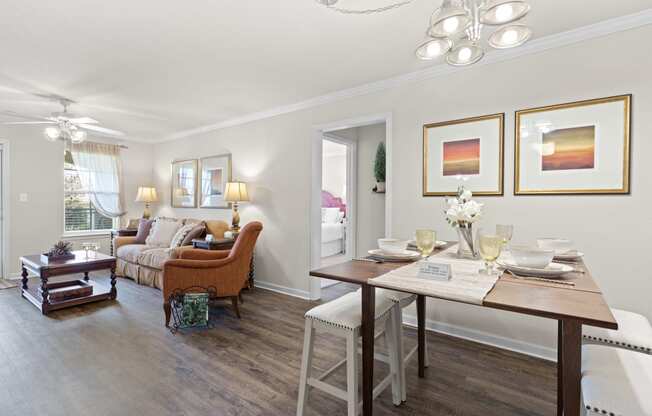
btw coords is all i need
(616, 381)
(346, 311)
(634, 332)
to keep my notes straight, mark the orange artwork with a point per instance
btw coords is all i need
(571, 148)
(461, 157)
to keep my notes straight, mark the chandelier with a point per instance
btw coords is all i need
(456, 27)
(65, 130)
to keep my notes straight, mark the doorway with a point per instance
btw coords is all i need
(348, 215)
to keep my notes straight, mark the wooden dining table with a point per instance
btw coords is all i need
(570, 306)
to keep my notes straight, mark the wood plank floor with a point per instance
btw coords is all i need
(116, 358)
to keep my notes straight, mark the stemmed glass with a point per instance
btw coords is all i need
(425, 241)
(505, 231)
(490, 246)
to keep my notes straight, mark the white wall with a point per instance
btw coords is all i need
(36, 169)
(274, 155)
(371, 205)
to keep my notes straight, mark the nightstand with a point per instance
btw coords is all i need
(125, 232)
(223, 244)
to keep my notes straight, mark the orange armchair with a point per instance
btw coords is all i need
(226, 271)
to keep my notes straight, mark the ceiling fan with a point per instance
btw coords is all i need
(65, 125)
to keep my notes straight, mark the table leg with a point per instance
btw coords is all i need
(571, 367)
(421, 334)
(560, 368)
(86, 276)
(368, 318)
(45, 293)
(114, 291)
(24, 274)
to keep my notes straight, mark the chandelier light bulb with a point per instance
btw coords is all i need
(510, 36)
(499, 12)
(466, 53)
(52, 133)
(451, 24)
(78, 136)
(433, 48)
(504, 12)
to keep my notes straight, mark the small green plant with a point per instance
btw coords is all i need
(379, 163)
(61, 248)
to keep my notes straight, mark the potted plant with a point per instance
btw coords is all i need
(379, 168)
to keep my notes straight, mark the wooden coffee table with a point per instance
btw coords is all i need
(38, 295)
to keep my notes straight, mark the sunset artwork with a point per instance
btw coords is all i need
(461, 157)
(572, 148)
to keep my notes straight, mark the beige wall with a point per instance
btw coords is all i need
(274, 155)
(36, 169)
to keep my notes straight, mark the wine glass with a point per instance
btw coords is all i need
(489, 246)
(505, 231)
(425, 241)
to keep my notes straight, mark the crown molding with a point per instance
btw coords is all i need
(558, 40)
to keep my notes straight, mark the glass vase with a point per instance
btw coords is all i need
(466, 248)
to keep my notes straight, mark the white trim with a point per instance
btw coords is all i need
(4, 221)
(296, 293)
(558, 40)
(486, 338)
(84, 234)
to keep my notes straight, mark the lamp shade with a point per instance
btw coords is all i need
(236, 192)
(146, 194)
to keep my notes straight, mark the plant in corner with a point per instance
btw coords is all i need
(379, 168)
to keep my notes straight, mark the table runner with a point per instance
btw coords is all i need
(465, 285)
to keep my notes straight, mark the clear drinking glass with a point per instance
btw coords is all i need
(426, 241)
(505, 231)
(489, 246)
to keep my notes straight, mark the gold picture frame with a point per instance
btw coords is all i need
(214, 169)
(183, 187)
(498, 165)
(521, 127)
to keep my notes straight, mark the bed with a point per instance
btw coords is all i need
(333, 225)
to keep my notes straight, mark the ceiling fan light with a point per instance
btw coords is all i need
(448, 20)
(510, 36)
(433, 48)
(327, 2)
(52, 133)
(77, 136)
(465, 53)
(499, 12)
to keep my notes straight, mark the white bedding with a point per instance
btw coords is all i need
(332, 232)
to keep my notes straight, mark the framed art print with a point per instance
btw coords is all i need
(467, 151)
(215, 172)
(184, 183)
(574, 148)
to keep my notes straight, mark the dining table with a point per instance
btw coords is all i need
(571, 305)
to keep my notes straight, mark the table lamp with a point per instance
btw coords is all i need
(146, 194)
(236, 192)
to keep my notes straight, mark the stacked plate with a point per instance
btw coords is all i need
(412, 244)
(552, 270)
(394, 255)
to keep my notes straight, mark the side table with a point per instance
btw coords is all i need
(223, 244)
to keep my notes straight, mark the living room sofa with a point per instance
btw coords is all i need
(144, 262)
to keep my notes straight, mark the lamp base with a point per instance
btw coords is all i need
(146, 212)
(235, 222)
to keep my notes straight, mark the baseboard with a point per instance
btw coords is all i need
(486, 338)
(303, 294)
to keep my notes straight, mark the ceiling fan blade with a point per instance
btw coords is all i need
(83, 120)
(102, 130)
(34, 118)
(10, 123)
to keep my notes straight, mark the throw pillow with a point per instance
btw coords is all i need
(144, 227)
(196, 232)
(180, 235)
(163, 230)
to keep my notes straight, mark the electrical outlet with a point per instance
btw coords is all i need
(22, 197)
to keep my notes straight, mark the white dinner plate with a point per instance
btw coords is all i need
(570, 255)
(438, 243)
(551, 270)
(405, 255)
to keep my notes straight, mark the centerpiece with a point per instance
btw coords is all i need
(461, 212)
(61, 251)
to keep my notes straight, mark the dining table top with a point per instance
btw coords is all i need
(583, 302)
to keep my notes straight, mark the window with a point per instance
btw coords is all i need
(80, 214)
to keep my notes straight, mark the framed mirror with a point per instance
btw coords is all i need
(184, 183)
(215, 173)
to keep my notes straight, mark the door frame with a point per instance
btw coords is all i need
(4, 215)
(320, 131)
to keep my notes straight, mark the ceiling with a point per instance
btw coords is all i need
(152, 68)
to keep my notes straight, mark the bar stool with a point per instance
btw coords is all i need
(343, 317)
(615, 381)
(634, 333)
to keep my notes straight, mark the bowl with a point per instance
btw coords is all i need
(558, 245)
(392, 245)
(534, 257)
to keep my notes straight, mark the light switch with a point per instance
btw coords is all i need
(22, 197)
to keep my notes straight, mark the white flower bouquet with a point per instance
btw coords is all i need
(461, 212)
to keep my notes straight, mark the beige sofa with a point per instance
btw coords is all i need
(144, 263)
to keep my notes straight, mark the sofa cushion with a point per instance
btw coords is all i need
(130, 252)
(196, 232)
(163, 230)
(144, 227)
(155, 257)
(180, 235)
(217, 228)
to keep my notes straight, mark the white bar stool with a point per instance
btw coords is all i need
(634, 333)
(342, 317)
(616, 381)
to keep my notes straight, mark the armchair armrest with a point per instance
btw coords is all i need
(122, 241)
(196, 254)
